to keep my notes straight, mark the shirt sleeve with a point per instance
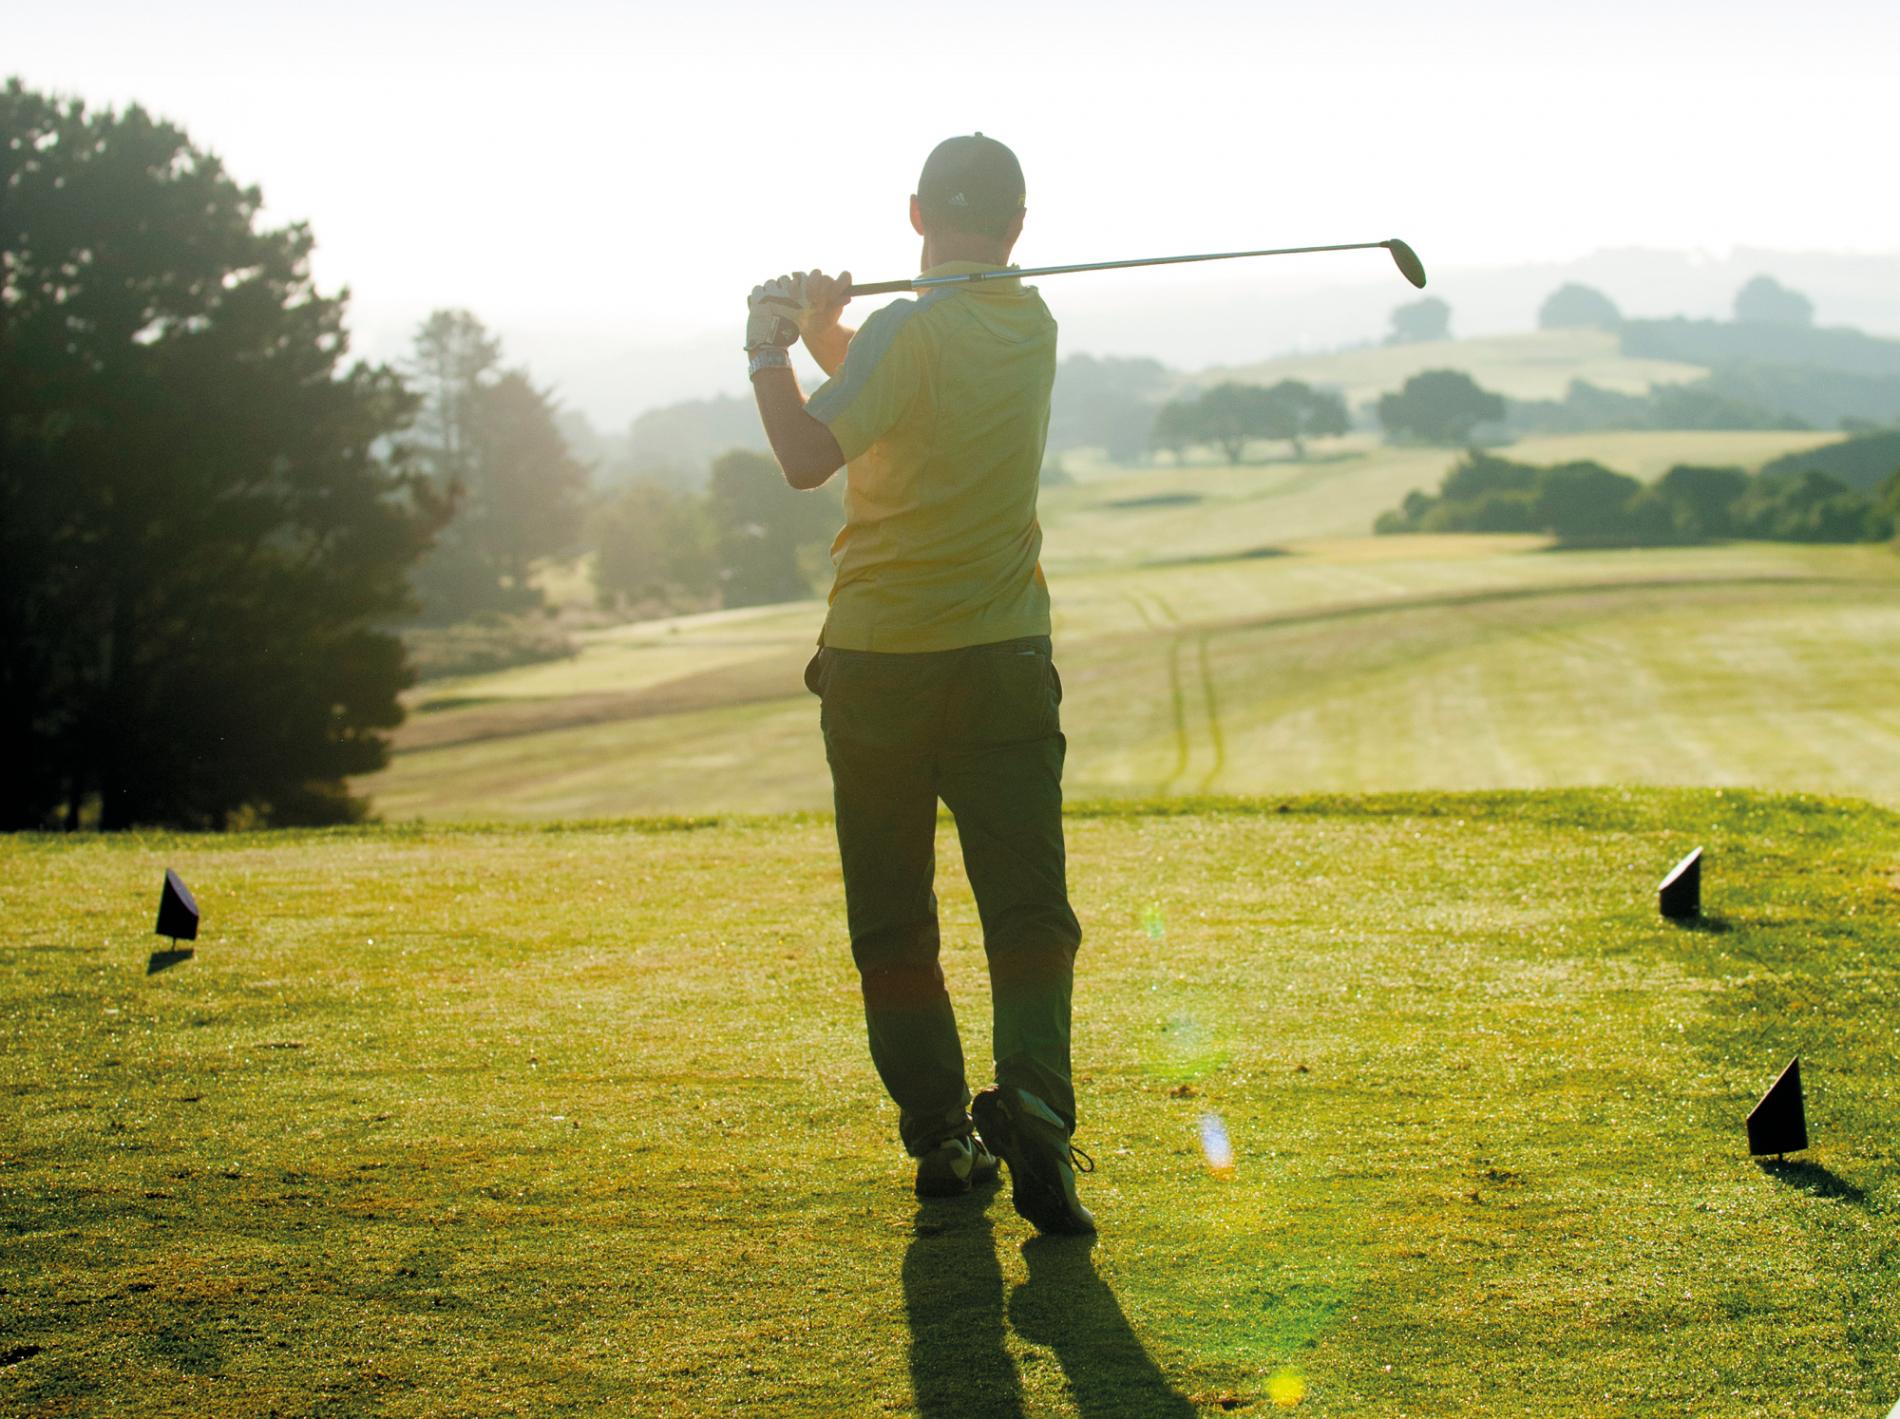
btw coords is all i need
(882, 372)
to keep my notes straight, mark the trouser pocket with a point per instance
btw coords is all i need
(1008, 694)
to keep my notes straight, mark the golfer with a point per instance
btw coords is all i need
(934, 669)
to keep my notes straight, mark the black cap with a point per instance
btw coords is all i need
(972, 182)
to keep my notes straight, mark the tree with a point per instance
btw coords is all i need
(1107, 403)
(1427, 319)
(203, 531)
(1232, 415)
(1765, 301)
(760, 526)
(1477, 475)
(1174, 427)
(654, 544)
(1575, 307)
(1440, 407)
(1585, 502)
(1295, 411)
(1702, 501)
(1811, 506)
(531, 486)
(492, 444)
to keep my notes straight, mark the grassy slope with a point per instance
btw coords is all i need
(1117, 517)
(1537, 365)
(514, 1121)
(1396, 663)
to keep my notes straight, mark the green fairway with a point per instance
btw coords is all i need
(1389, 663)
(509, 1120)
(1113, 517)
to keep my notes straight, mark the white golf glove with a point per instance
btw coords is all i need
(772, 312)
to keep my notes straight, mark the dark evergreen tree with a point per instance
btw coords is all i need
(531, 487)
(202, 536)
(492, 444)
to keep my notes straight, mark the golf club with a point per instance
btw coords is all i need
(1402, 256)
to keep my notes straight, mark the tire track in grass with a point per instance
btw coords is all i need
(1156, 615)
(1211, 701)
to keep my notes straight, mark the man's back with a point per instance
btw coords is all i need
(942, 408)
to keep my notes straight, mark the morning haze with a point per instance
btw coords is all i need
(589, 173)
(1089, 847)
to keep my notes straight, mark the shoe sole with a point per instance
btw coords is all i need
(1040, 1201)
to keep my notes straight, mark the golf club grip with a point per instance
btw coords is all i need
(878, 288)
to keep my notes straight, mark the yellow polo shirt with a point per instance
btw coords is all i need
(941, 409)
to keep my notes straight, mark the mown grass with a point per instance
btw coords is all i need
(1364, 664)
(508, 1120)
(1113, 517)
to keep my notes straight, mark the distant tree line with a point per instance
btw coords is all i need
(1587, 504)
(1100, 402)
(675, 445)
(1762, 303)
(1232, 416)
(1863, 463)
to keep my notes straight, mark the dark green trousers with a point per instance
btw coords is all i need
(979, 729)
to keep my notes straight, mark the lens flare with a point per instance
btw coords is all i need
(1215, 1146)
(1152, 923)
(1286, 1389)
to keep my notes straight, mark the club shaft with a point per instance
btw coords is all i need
(884, 288)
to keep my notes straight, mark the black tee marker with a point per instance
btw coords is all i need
(1680, 896)
(178, 919)
(1779, 1123)
(177, 910)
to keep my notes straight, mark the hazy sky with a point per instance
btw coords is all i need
(633, 169)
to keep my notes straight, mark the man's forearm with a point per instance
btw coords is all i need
(828, 346)
(804, 447)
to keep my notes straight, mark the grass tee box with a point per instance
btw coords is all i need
(510, 1120)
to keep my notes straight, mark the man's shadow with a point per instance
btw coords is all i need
(953, 1294)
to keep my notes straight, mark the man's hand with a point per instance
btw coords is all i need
(772, 314)
(821, 300)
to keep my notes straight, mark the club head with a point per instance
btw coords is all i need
(1407, 261)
